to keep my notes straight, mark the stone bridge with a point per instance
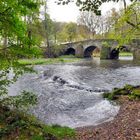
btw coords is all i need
(108, 48)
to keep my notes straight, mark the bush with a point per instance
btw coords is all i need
(110, 96)
(128, 87)
(130, 91)
(15, 124)
(61, 59)
(135, 94)
(105, 44)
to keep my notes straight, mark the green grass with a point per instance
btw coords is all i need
(125, 54)
(20, 126)
(135, 94)
(47, 61)
(60, 132)
(67, 56)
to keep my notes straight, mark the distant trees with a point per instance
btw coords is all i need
(99, 26)
(67, 32)
(71, 31)
(48, 26)
(90, 20)
(123, 25)
(108, 23)
(84, 32)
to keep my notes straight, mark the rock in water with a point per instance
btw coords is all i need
(59, 80)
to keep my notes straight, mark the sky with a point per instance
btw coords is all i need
(70, 12)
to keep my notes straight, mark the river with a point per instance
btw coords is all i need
(71, 94)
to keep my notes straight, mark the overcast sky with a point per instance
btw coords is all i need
(70, 12)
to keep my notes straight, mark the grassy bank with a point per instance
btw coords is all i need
(67, 56)
(129, 91)
(15, 125)
(123, 54)
(46, 61)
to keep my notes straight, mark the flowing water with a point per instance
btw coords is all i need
(71, 94)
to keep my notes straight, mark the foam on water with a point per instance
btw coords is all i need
(71, 94)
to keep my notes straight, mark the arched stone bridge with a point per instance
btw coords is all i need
(85, 48)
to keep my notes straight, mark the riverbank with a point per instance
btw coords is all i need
(125, 126)
(124, 54)
(48, 61)
(17, 125)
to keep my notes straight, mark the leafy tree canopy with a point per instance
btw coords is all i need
(90, 5)
(14, 42)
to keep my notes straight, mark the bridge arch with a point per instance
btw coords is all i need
(88, 52)
(114, 54)
(70, 51)
(124, 48)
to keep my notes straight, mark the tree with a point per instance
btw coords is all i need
(70, 29)
(126, 32)
(90, 20)
(91, 5)
(48, 24)
(83, 32)
(108, 23)
(13, 30)
(94, 5)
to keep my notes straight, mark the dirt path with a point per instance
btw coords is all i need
(125, 126)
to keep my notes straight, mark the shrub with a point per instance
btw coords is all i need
(130, 91)
(110, 96)
(18, 124)
(135, 94)
(128, 87)
(105, 44)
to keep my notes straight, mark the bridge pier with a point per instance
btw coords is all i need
(105, 53)
(79, 51)
(136, 54)
(136, 49)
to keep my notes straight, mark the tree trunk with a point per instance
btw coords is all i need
(47, 34)
(5, 43)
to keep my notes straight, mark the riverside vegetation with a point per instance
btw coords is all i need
(61, 59)
(131, 92)
(21, 126)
